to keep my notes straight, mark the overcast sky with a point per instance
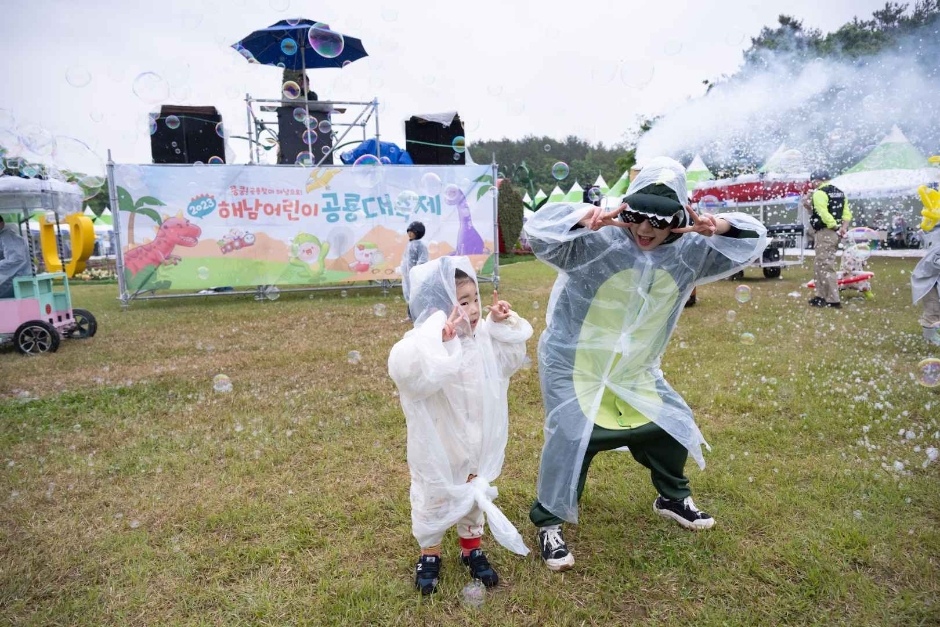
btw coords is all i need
(510, 68)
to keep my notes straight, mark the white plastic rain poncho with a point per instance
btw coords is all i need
(453, 395)
(416, 254)
(609, 317)
(926, 274)
(14, 259)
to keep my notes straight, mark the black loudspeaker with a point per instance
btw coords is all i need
(187, 135)
(290, 133)
(419, 133)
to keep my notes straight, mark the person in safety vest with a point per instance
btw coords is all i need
(830, 220)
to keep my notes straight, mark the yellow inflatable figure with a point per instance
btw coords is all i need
(931, 199)
(82, 236)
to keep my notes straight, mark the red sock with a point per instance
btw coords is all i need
(468, 544)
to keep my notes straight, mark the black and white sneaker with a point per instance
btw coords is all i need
(555, 552)
(480, 567)
(427, 573)
(684, 512)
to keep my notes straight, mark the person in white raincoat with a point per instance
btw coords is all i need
(14, 258)
(925, 285)
(416, 253)
(452, 371)
(623, 278)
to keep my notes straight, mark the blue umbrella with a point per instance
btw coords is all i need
(300, 45)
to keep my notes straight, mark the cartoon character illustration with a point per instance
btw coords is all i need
(469, 241)
(307, 260)
(142, 262)
(367, 256)
(320, 178)
(235, 239)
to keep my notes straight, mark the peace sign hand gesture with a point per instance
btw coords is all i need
(449, 331)
(705, 224)
(500, 309)
(597, 218)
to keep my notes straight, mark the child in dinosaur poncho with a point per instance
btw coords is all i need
(621, 287)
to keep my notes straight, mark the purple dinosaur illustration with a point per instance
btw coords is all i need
(469, 241)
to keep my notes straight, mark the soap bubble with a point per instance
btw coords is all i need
(473, 594)
(637, 74)
(221, 383)
(708, 202)
(594, 194)
(153, 125)
(560, 170)
(134, 524)
(325, 42)
(304, 158)
(293, 21)
(459, 144)
(928, 372)
(279, 5)
(748, 339)
(151, 88)
(291, 90)
(366, 171)
(431, 183)
(742, 294)
(37, 139)
(547, 148)
(353, 357)
(731, 315)
(535, 304)
(216, 161)
(309, 137)
(220, 130)
(325, 126)
(288, 46)
(526, 363)
(407, 201)
(672, 47)
(203, 273)
(300, 114)
(379, 310)
(861, 252)
(77, 76)
(271, 292)
(172, 122)
(343, 294)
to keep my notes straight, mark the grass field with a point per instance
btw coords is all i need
(133, 494)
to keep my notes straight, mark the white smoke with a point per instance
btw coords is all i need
(832, 111)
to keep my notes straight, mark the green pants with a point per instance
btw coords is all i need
(649, 445)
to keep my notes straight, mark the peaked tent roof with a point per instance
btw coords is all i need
(526, 199)
(575, 194)
(697, 172)
(106, 217)
(600, 182)
(619, 189)
(894, 152)
(540, 195)
(557, 195)
(786, 161)
(894, 168)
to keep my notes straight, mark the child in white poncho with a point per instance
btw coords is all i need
(452, 371)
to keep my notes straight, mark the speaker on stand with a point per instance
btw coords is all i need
(187, 135)
(430, 142)
(291, 132)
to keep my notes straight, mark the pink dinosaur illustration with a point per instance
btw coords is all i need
(176, 231)
(469, 241)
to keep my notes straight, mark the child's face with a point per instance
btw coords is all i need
(469, 301)
(646, 237)
(411, 235)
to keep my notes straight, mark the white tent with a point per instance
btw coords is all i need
(575, 194)
(557, 195)
(893, 169)
(602, 184)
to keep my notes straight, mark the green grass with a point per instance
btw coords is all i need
(133, 494)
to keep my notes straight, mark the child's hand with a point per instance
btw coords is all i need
(500, 310)
(704, 224)
(449, 331)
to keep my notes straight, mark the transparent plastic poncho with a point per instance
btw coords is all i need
(453, 395)
(416, 253)
(926, 274)
(609, 318)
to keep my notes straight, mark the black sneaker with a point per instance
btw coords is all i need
(480, 567)
(683, 512)
(834, 305)
(816, 301)
(555, 552)
(427, 572)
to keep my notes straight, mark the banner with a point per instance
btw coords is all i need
(197, 227)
